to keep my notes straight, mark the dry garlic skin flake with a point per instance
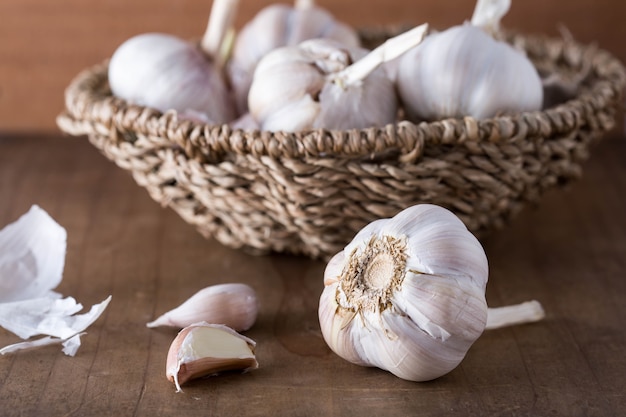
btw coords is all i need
(204, 349)
(407, 295)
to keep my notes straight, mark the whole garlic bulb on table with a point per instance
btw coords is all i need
(407, 295)
(324, 84)
(465, 71)
(167, 73)
(275, 26)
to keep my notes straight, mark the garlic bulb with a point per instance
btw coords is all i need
(464, 71)
(234, 305)
(407, 295)
(275, 26)
(204, 349)
(167, 73)
(323, 84)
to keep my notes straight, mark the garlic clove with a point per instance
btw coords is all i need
(300, 115)
(274, 79)
(204, 349)
(234, 305)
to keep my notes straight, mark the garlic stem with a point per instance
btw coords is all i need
(391, 49)
(304, 4)
(526, 312)
(220, 23)
(488, 14)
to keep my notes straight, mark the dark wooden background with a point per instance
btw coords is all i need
(569, 252)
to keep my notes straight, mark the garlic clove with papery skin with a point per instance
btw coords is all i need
(323, 84)
(278, 25)
(233, 304)
(204, 349)
(167, 73)
(464, 71)
(407, 295)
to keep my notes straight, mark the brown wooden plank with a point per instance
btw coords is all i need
(568, 252)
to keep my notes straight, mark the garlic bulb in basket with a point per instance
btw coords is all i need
(465, 71)
(167, 73)
(407, 295)
(275, 26)
(318, 84)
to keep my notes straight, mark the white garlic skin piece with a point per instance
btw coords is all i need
(407, 295)
(293, 89)
(233, 304)
(463, 71)
(166, 73)
(275, 26)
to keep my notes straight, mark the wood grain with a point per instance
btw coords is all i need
(569, 252)
(43, 45)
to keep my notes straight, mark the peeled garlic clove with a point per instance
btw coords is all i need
(203, 349)
(234, 305)
(463, 71)
(164, 72)
(324, 84)
(275, 26)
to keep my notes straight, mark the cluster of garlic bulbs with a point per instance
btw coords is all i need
(296, 67)
(407, 295)
(324, 84)
(459, 72)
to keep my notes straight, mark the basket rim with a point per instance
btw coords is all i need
(87, 110)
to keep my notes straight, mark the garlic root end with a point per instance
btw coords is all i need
(527, 312)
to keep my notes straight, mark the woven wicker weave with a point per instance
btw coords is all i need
(310, 192)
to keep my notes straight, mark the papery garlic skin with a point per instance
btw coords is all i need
(166, 73)
(407, 295)
(463, 71)
(232, 304)
(275, 26)
(292, 90)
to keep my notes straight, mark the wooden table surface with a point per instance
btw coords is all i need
(568, 252)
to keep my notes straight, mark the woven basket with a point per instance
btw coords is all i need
(310, 192)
